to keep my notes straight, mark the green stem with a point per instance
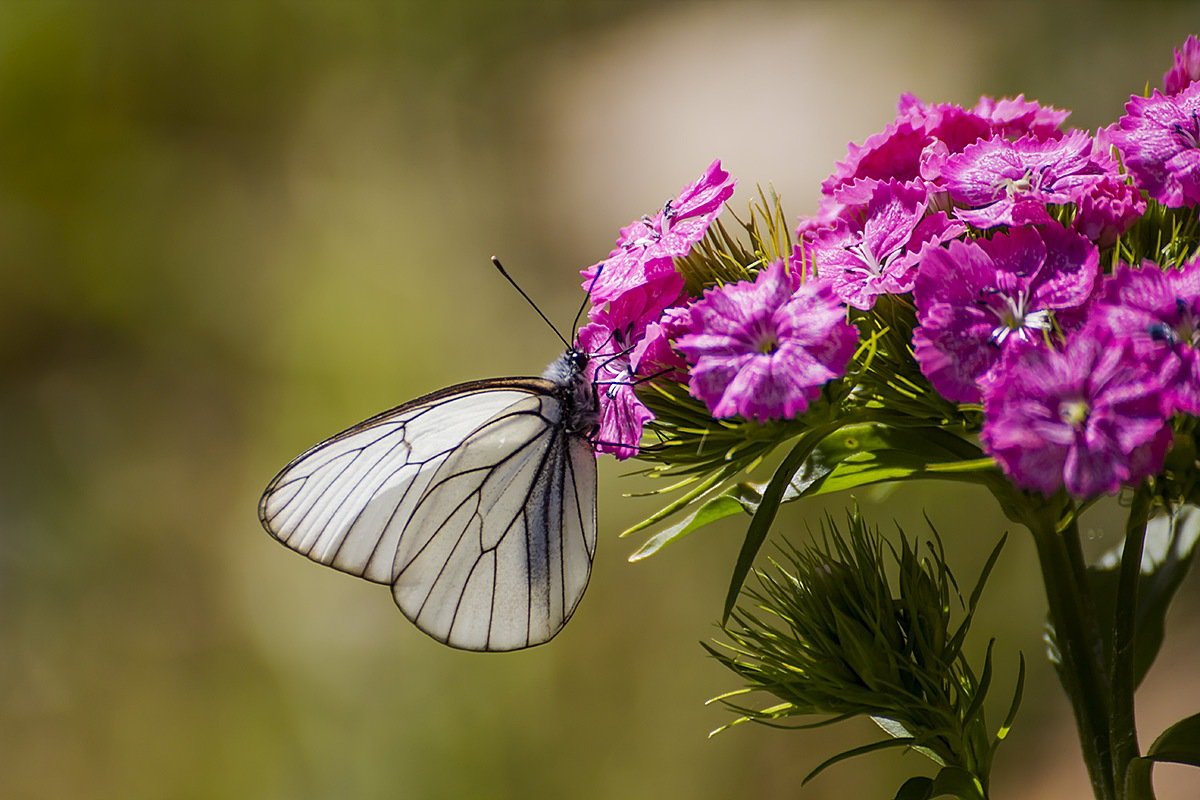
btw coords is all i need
(1122, 724)
(1081, 671)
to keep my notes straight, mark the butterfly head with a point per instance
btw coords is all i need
(576, 360)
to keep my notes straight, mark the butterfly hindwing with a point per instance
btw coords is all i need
(474, 502)
(499, 548)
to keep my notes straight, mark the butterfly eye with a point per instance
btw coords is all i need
(578, 360)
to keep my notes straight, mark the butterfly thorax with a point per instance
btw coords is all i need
(581, 408)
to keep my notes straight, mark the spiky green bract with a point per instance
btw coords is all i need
(886, 377)
(699, 456)
(1166, 236)
(724, 257)
(824, 632)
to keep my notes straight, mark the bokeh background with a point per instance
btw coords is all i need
(228, 230)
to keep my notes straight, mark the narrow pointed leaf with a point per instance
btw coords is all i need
(764, 515)
(738, 499)
(856, 751)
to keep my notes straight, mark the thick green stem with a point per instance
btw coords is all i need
(1123, 676)
(1075, 633)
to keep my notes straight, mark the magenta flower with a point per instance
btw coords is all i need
(1010, 183)
(892, 154)
(976, 299)
(948, 123)
(1106, 209)
(1186, 68)
(763, 349)
(642, 304)
(1015, 116)
(1089, 418)
(1159, 140)
(918, 141)
(654, 354)
(613, 370)
(646, 248)
(1158, 312)
(873, 248)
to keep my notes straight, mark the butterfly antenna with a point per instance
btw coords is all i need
(586, 298)
(529, 300)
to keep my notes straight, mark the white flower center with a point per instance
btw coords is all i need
(1016, 317)
(873, 266)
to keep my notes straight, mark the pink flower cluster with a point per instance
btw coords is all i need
(993, 223)
(759, 349)
(1078, 372)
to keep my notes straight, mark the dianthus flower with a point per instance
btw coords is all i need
(1015, 116)
(1106, 209)
(762, 349)
(613, 369)
(1010, 183)
(873, 248)
(1186, 68)
(893, 153)
(1158, 312)
(1159, 140)
(647, 247)
(977, 298)
(1090, 417)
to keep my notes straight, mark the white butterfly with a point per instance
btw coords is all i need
(477, 503)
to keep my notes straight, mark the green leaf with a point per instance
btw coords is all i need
(957, 782)
(737, 499)
(855, 751)
(1170, 546)
(877, 452)
(856, 455)
(1010, 717)
(840, 456)
(701, 487)
(897, 730)
(764, 515)
(919, 788)
(1179, 744)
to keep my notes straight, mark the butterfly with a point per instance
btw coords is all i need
(476, 503)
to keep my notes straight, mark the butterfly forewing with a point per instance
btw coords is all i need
(474, 502)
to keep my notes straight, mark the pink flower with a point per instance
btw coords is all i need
(647, 247)
(873, 248)
(654, 354)
(1158, 312)
(764, 349)
(1015, 116)
(1106, 209)
(613, 370)
(1159, 140)
(893, 153)
(642, 304)
(1010, 183)
(1090, 418)
(976, 299)
(1186, 68)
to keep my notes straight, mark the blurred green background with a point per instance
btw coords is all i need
(228, 230)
